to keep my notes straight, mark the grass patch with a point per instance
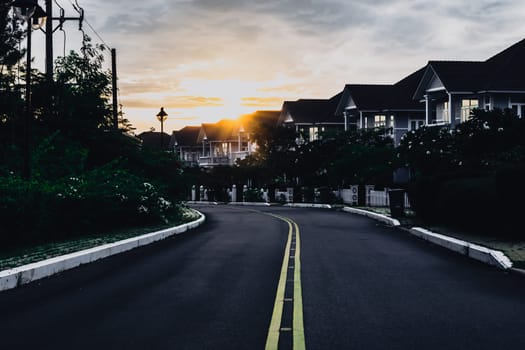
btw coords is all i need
(31, 254)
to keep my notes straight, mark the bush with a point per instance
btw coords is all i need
(104, 199)
(253, 195)
(469, 203)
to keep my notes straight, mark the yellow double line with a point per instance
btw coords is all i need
(272, 341)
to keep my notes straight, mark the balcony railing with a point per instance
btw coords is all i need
(213, 161)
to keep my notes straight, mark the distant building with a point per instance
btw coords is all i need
(312, 117)
(390, 106)
(449, 90)
(184, 143)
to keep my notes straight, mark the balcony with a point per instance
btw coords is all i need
(214, 161)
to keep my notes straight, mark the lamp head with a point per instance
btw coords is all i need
(162, 116)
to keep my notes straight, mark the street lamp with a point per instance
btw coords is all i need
(161, 117)
(34, 15)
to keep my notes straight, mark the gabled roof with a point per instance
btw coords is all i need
(504, 71)
(223, 130)
(375, 97)
(311, 111)
(507, 68)
(249, 121)
(187, 136)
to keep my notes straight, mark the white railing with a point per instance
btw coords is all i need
(211, 161)
(382, 199)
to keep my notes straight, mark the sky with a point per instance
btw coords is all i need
(205, 60)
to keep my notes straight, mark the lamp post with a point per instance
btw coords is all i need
(34, 15)
(161, 117)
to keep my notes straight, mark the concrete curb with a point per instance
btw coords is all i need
(260, 204)
(386, 219)
(308, 205)
(203, 202)
(474, 251)
(28, 273)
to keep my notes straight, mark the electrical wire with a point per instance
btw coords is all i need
(77, 7)
(61, 27)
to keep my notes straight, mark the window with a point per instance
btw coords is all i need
(313, 133)
(415, 124)
(379, 121)
(445, 116)
(467, 105)
(392, 124)
(225, 148)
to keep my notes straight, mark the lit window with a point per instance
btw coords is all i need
(445, 116)
(380, 121)
(313, 133)
(467, 105)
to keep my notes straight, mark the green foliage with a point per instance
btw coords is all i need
(10, 35)
(362, 156)
(86, 177)
(484, 143)
(99, 200)
(470, 176)
(253, 195)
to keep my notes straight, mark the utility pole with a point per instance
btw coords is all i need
(114, 87)
(28, 115)
(49, 41)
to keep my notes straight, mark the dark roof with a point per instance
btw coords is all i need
(312, 111)
(369, 96)
(221, 131)
(507, 68)
(403, 91)
(152, 139)
(382, 97)
(268, 118)
(187, 136)
(504, 71)
(460, 75)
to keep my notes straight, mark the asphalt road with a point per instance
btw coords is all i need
(364, 286)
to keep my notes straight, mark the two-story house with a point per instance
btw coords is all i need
(311, 117)
(184, 143)
(389, 105)
(451, 89)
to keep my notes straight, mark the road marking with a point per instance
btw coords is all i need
(272, 341)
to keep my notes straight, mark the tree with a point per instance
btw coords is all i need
(10, 36)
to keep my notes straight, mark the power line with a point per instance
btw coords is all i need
(77, 8)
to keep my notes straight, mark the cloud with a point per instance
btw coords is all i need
(291, 48)
(262, 101)
(179, 102)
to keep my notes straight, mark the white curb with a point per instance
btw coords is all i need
(27, 273)
(263, 204)
(202, 202)
(474, 251)
(386, 219)
(308, 205)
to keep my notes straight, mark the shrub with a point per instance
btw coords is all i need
(253, 195)
(101, 200)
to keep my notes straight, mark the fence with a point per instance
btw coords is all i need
(381, 199)
(349, 196)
